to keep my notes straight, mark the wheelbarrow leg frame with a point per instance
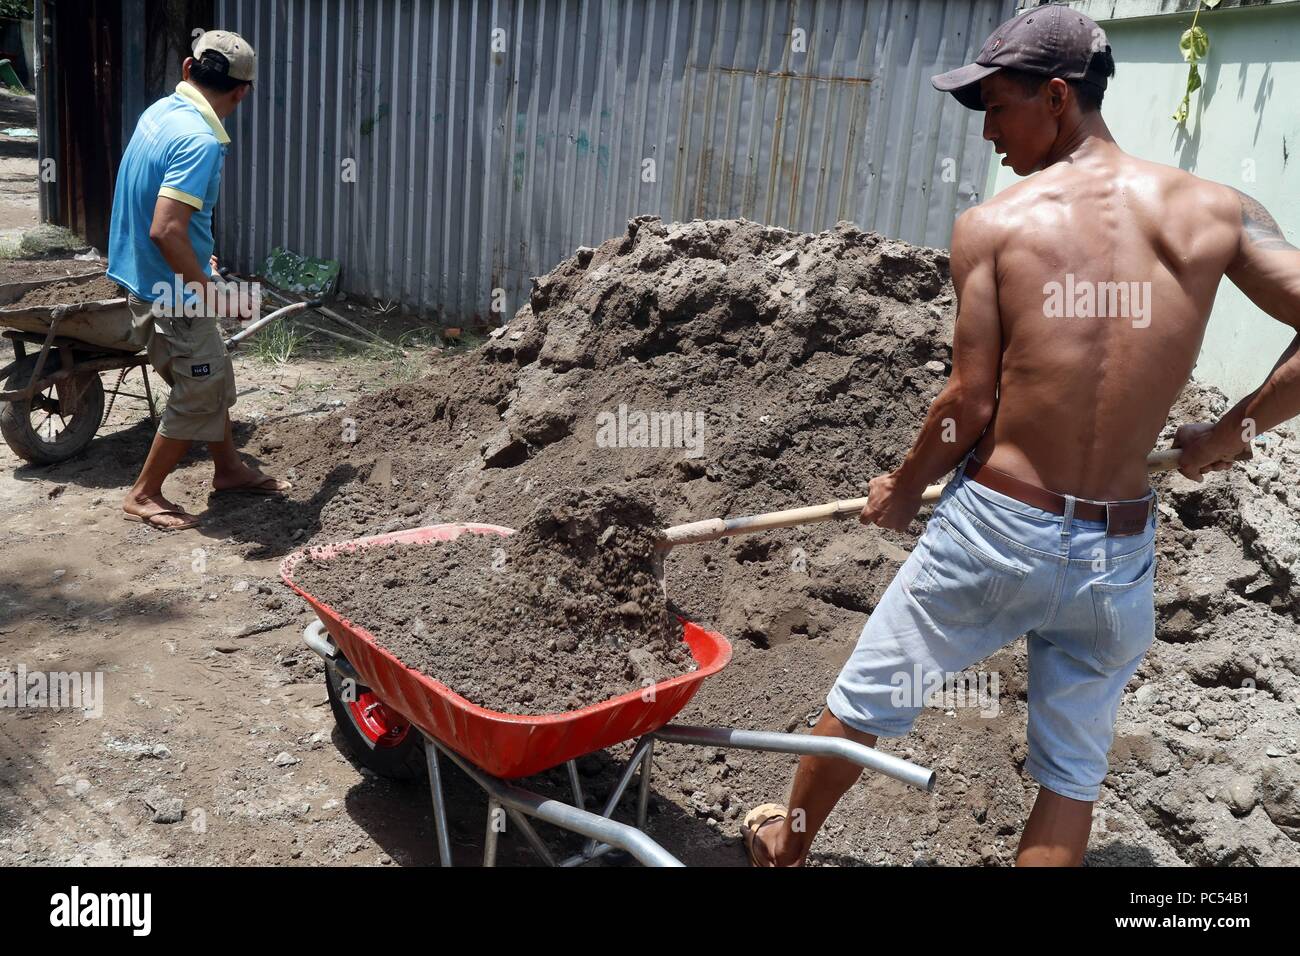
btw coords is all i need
(93, 359)
(523, 806)
(605, 834)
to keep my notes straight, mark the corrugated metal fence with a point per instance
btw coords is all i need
(443, 149)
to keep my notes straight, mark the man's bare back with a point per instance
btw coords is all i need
(1082, 299)
(1106, 271)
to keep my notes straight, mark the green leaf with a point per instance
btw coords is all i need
(1193, 84)
(1194, 44)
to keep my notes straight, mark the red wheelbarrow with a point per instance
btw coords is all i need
(396, 719)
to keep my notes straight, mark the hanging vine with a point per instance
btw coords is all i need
(1194, 45)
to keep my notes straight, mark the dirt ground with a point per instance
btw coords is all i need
(207, 679)
(213, 701)
(19, 208)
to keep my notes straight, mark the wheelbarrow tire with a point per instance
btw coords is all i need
(16, 417)
(398, 754)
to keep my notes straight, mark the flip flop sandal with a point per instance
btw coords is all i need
(148, 519)
(257, 487)
(755, 820)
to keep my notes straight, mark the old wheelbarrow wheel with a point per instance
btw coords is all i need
(57, 422)
(380, 738)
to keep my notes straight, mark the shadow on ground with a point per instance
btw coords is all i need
(33, 593)
(399, 817)
(270, 525)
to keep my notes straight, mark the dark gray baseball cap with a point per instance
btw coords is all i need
(1052, 40)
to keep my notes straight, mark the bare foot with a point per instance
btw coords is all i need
(249, 479)
(764, 841)
(157, 512)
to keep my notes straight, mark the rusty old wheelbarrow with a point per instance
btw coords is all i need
(52, 400)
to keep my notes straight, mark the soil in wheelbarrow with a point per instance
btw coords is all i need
(565, 613)
(69, 293)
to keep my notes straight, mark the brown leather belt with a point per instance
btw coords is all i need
(1121, 517)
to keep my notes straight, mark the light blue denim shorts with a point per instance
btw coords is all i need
(988, 569)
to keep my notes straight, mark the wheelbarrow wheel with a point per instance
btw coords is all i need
(380, 738)
(57, 423)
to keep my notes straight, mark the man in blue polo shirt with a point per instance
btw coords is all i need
(160, 250)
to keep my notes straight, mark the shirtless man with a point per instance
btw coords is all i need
(1052, 387)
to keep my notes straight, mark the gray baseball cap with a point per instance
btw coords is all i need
(235, 54)
(1052, 40)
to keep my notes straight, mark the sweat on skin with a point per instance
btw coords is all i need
(1081, 299)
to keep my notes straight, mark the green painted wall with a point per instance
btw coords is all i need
(1245, 123)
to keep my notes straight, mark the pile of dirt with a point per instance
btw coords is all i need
(69, 292)
(565, 613)
(737, 368)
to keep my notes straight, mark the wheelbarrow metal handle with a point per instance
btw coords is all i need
(234, 341)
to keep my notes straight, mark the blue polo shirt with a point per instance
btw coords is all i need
(176, 151)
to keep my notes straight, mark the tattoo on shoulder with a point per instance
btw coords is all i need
(1261, 228)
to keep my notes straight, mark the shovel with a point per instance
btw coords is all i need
(713, 529)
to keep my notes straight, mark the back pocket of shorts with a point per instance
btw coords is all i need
(1126, 613)
(959, 583)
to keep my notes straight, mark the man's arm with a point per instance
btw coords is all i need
(1267, 269)
(170, 232)
(958, 416)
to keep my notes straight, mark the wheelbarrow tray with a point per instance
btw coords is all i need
(105, 324)
(505, 745)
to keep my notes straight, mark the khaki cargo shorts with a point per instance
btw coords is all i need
(191, 358)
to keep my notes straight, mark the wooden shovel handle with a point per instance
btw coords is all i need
(711, 529)
(1164, 460)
